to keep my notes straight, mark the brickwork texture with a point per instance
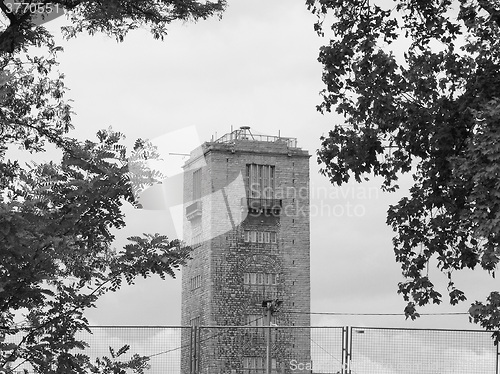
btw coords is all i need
(247, 254)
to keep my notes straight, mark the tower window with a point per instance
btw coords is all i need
(260, 237)
(273, 237)
(195, 282)
(197, 184)
(196, 233)
(252, 236)
(260, 181)
(257, 365)
(266, 237)
(270, 278)
(196, 240)
(260, 279)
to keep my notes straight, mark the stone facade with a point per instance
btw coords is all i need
(246, 250)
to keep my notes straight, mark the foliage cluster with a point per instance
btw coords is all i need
(418, 83)
(57, 219)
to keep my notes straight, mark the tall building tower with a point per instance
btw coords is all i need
(247, 218)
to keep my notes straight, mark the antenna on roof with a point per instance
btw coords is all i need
(244, 130)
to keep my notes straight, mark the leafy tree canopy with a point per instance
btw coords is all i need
(33, 107)
(57, 255)
(418, 83)
(57, 219)
(112, 17)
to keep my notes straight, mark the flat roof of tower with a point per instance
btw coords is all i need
(244, 133)
(242, 140)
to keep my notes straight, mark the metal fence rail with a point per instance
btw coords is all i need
(296, 349)
(417, 351)
(162, 344)
(327, 349)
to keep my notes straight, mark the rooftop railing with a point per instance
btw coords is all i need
(245, 134)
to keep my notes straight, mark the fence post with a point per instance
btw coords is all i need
(190, 350)
(194, 349)
(268, 342)
(349, 350)
(198, 351)
(498, 354)
(344, 350)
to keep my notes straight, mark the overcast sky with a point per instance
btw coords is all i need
(256, 67)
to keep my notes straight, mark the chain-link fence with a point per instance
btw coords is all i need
(294, 349)
(417, 351)
(162, 344)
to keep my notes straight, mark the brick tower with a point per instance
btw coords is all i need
(247, 218)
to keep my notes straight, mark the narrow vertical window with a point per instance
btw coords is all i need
(260, 237)
(260, 181)
(253, 236)
(273, 237)
(271, 181)
(267, 236)
(197, 184)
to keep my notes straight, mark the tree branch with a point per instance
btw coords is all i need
(8, 38)
(10, 15)
(494, 13)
